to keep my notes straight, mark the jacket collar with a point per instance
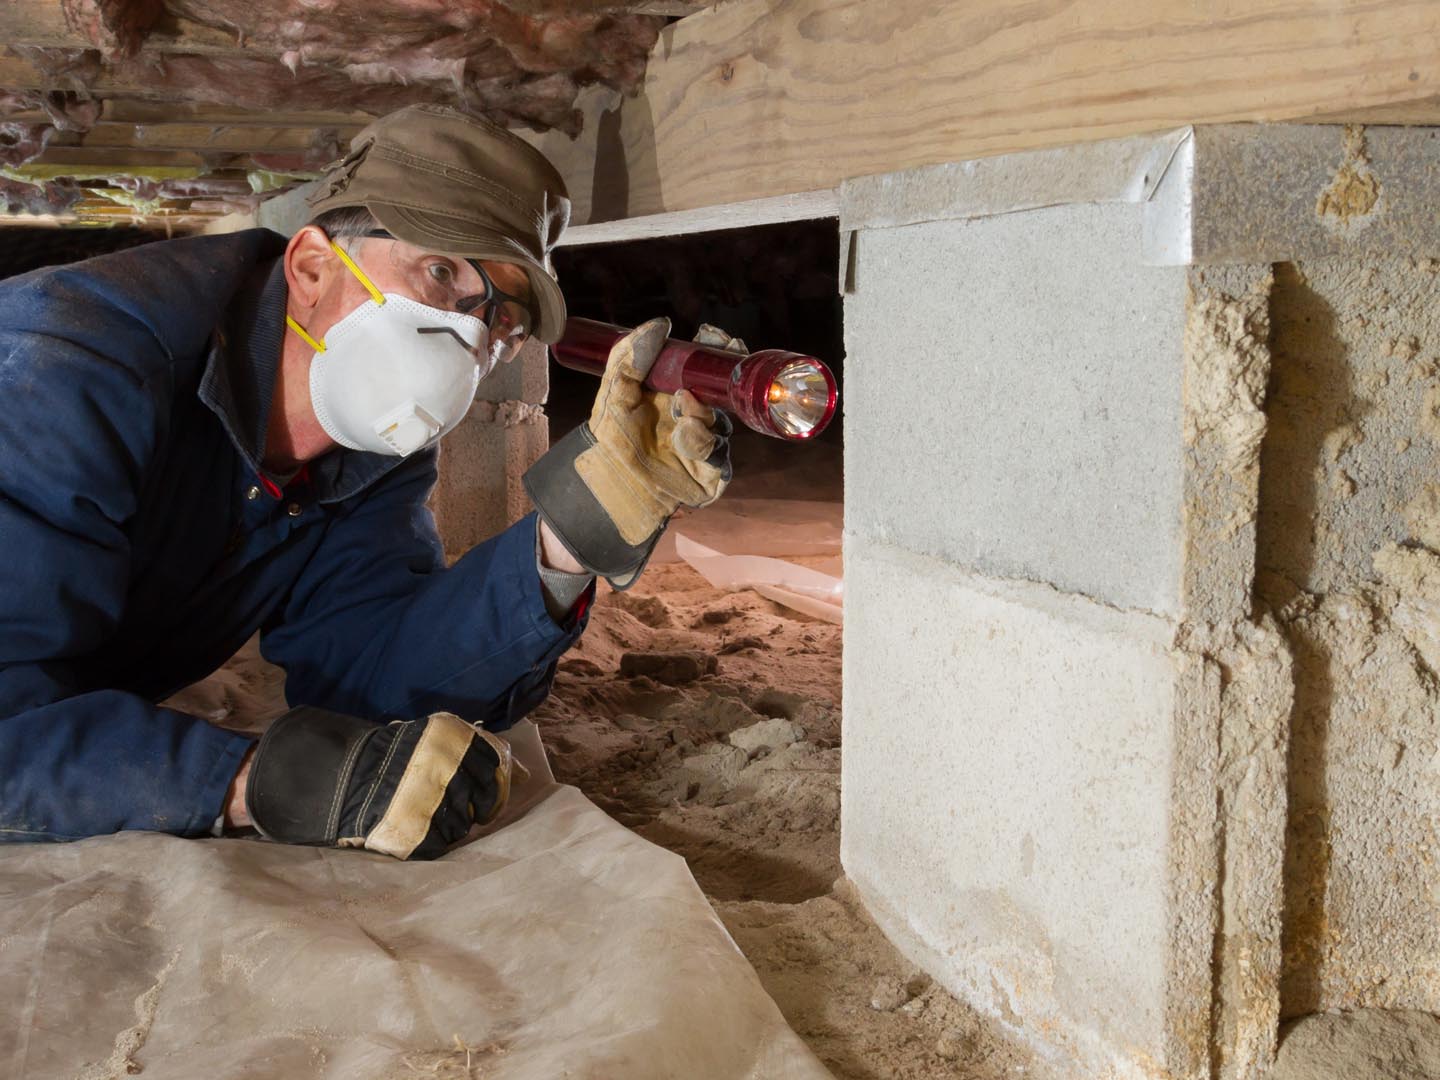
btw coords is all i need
(239, 385)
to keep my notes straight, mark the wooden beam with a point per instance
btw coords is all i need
(667, 7)
(131, 111)
(1424, 111)
(118, 159)
(201, 138)
(55, 171)
(17, 74)
(756, 98)
(127, 113)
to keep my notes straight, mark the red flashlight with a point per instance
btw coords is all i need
(784, 394)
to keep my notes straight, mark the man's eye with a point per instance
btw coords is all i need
(442, 273)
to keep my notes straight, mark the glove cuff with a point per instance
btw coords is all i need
(301, 770)
(566, 504)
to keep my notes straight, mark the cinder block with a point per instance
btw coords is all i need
(479, 490)
(1348, 541)
(1013, 400)
(287, 212)
(526, 378)
(1353, 456)
(1024, 782)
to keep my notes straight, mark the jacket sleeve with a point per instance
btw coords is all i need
(377, 627)
(76, 433)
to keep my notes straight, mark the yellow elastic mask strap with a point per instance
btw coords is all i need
(318, 346)
(375, 294)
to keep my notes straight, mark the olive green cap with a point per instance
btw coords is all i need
(457, 185)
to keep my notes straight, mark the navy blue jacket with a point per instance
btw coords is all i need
(140, 546)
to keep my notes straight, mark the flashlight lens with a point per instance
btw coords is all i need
(799, 398)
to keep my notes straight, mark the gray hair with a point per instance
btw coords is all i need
(346, 222)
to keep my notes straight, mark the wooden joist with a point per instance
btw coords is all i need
(147, 135)
(132, 111)
(202, 138)
(754, 98)
(18, 74)
(118, 159)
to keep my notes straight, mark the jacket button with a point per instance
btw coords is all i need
(252, 493)
(293, 509)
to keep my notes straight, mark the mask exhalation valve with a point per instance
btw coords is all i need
(407, 428)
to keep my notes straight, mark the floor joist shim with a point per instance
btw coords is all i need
(755, 99)
(806, 206)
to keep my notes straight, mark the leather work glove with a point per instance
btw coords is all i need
(608, 488)
(408, 789)
(653, 452)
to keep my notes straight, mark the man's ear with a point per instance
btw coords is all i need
(309, 263)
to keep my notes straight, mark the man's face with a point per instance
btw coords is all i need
(439, 281)
(436, 280)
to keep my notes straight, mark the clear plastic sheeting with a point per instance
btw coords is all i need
(559, 945)
(797, 587)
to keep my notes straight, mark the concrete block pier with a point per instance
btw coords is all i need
(479, 491)
(1142, 734)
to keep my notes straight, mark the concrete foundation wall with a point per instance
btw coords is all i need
(1096, 579)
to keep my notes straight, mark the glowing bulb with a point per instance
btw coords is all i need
(799, 399)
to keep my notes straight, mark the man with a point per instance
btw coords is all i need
(211, 436)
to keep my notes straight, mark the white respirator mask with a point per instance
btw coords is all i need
(395, 374)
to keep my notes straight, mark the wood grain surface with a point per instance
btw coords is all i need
(756, 98)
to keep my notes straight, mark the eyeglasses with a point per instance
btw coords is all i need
(509, 319)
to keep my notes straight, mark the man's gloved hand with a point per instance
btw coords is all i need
(653, 452)
(714, 336)
(408, 789)
(607, 489)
